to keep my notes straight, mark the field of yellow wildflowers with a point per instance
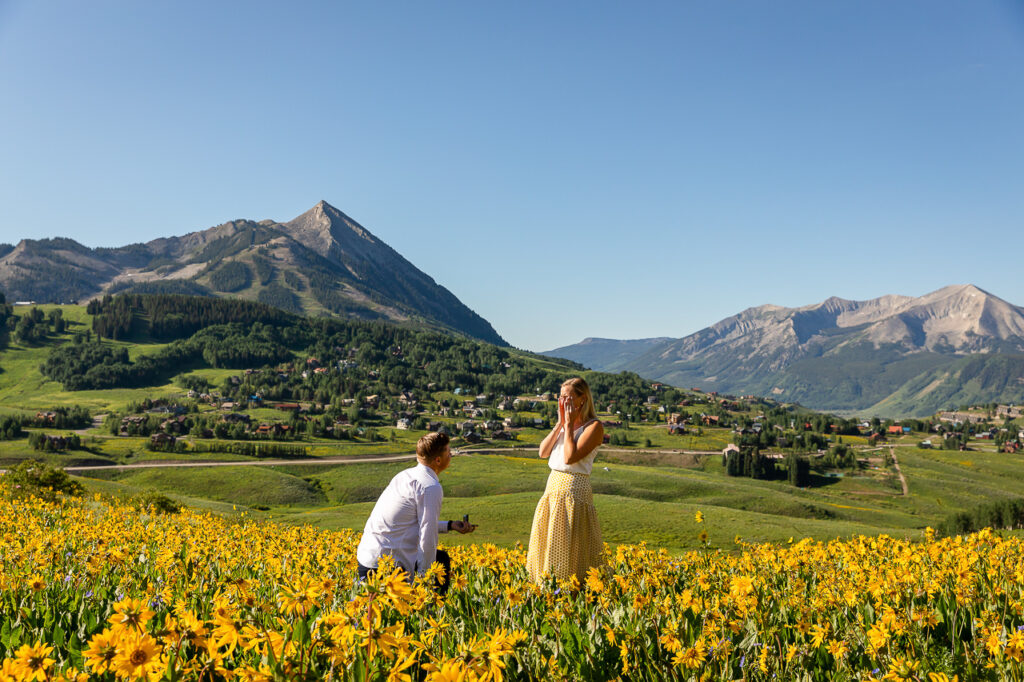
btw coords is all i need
(94, 589)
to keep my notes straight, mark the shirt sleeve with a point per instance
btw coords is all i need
(429, 513)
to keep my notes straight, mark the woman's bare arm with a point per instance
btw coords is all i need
(576, 449)
(548, 443)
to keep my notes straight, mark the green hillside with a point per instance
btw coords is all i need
(330, 393)
(972, 380)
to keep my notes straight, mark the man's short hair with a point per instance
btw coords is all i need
(432, 445)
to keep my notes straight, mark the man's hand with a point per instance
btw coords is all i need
(463, 526)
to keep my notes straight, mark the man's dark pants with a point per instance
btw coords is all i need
(440, 586)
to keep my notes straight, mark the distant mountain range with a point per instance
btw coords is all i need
(322, 262)
(894, 355)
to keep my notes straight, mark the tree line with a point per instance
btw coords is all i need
(173, 316)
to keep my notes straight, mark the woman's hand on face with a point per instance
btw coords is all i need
(561, 410)
(570, 413)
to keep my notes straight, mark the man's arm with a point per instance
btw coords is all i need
(429, 513)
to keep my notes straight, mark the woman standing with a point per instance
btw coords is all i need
(566, 538)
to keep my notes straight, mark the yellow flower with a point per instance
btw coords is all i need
(10, 671)
(594, 582)
(837, 648)
(741, 586)
(699, 517)
(33, 661)
(99, 656)
(299, 599)
(993, 644)
(36, 583)
(130, 614)
(452, 670)
(139, 658)
(690, 658)
(818, 634)
(878, 636)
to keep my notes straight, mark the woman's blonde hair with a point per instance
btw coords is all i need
(579, 386)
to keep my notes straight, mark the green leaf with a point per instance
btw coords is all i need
(301, 632)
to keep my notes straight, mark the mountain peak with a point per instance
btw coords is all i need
(961, 290)
(325, 229)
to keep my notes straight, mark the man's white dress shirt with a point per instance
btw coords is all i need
(405, 522)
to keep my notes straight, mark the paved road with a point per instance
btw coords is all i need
(533, 450)
(352, 459)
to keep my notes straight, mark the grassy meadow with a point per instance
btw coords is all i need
(635, 502)
(646, 491)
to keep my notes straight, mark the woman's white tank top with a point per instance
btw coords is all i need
(556, 461)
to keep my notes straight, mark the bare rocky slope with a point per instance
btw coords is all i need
(894, 354)
(322, 262)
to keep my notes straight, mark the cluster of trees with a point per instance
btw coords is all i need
(1001, 514)
(180, 287)
(278, 296)
(327, 292)
(231, 276)
(10, 427)
(34, 326)
(265, 270)
(807, 441)
(750, 463)
(251, 449)
(6, 313)
(170, 316)
(74, 417)
(799, 470)
(84, 365)
(619, 437)
(41, 441)
(840, 457)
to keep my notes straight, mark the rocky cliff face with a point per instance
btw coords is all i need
(837, 354)
(321, 262)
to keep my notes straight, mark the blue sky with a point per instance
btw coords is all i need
(567, 169)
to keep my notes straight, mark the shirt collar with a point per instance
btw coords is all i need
(430, 471)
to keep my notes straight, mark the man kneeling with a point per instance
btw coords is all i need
(405, 521)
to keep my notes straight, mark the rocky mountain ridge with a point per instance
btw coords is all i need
(322, 262)
(841, 354)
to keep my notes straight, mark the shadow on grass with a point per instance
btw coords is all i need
(822, 481)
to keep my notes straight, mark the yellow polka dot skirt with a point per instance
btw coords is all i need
(566, 537)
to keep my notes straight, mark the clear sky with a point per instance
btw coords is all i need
(567, 169)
